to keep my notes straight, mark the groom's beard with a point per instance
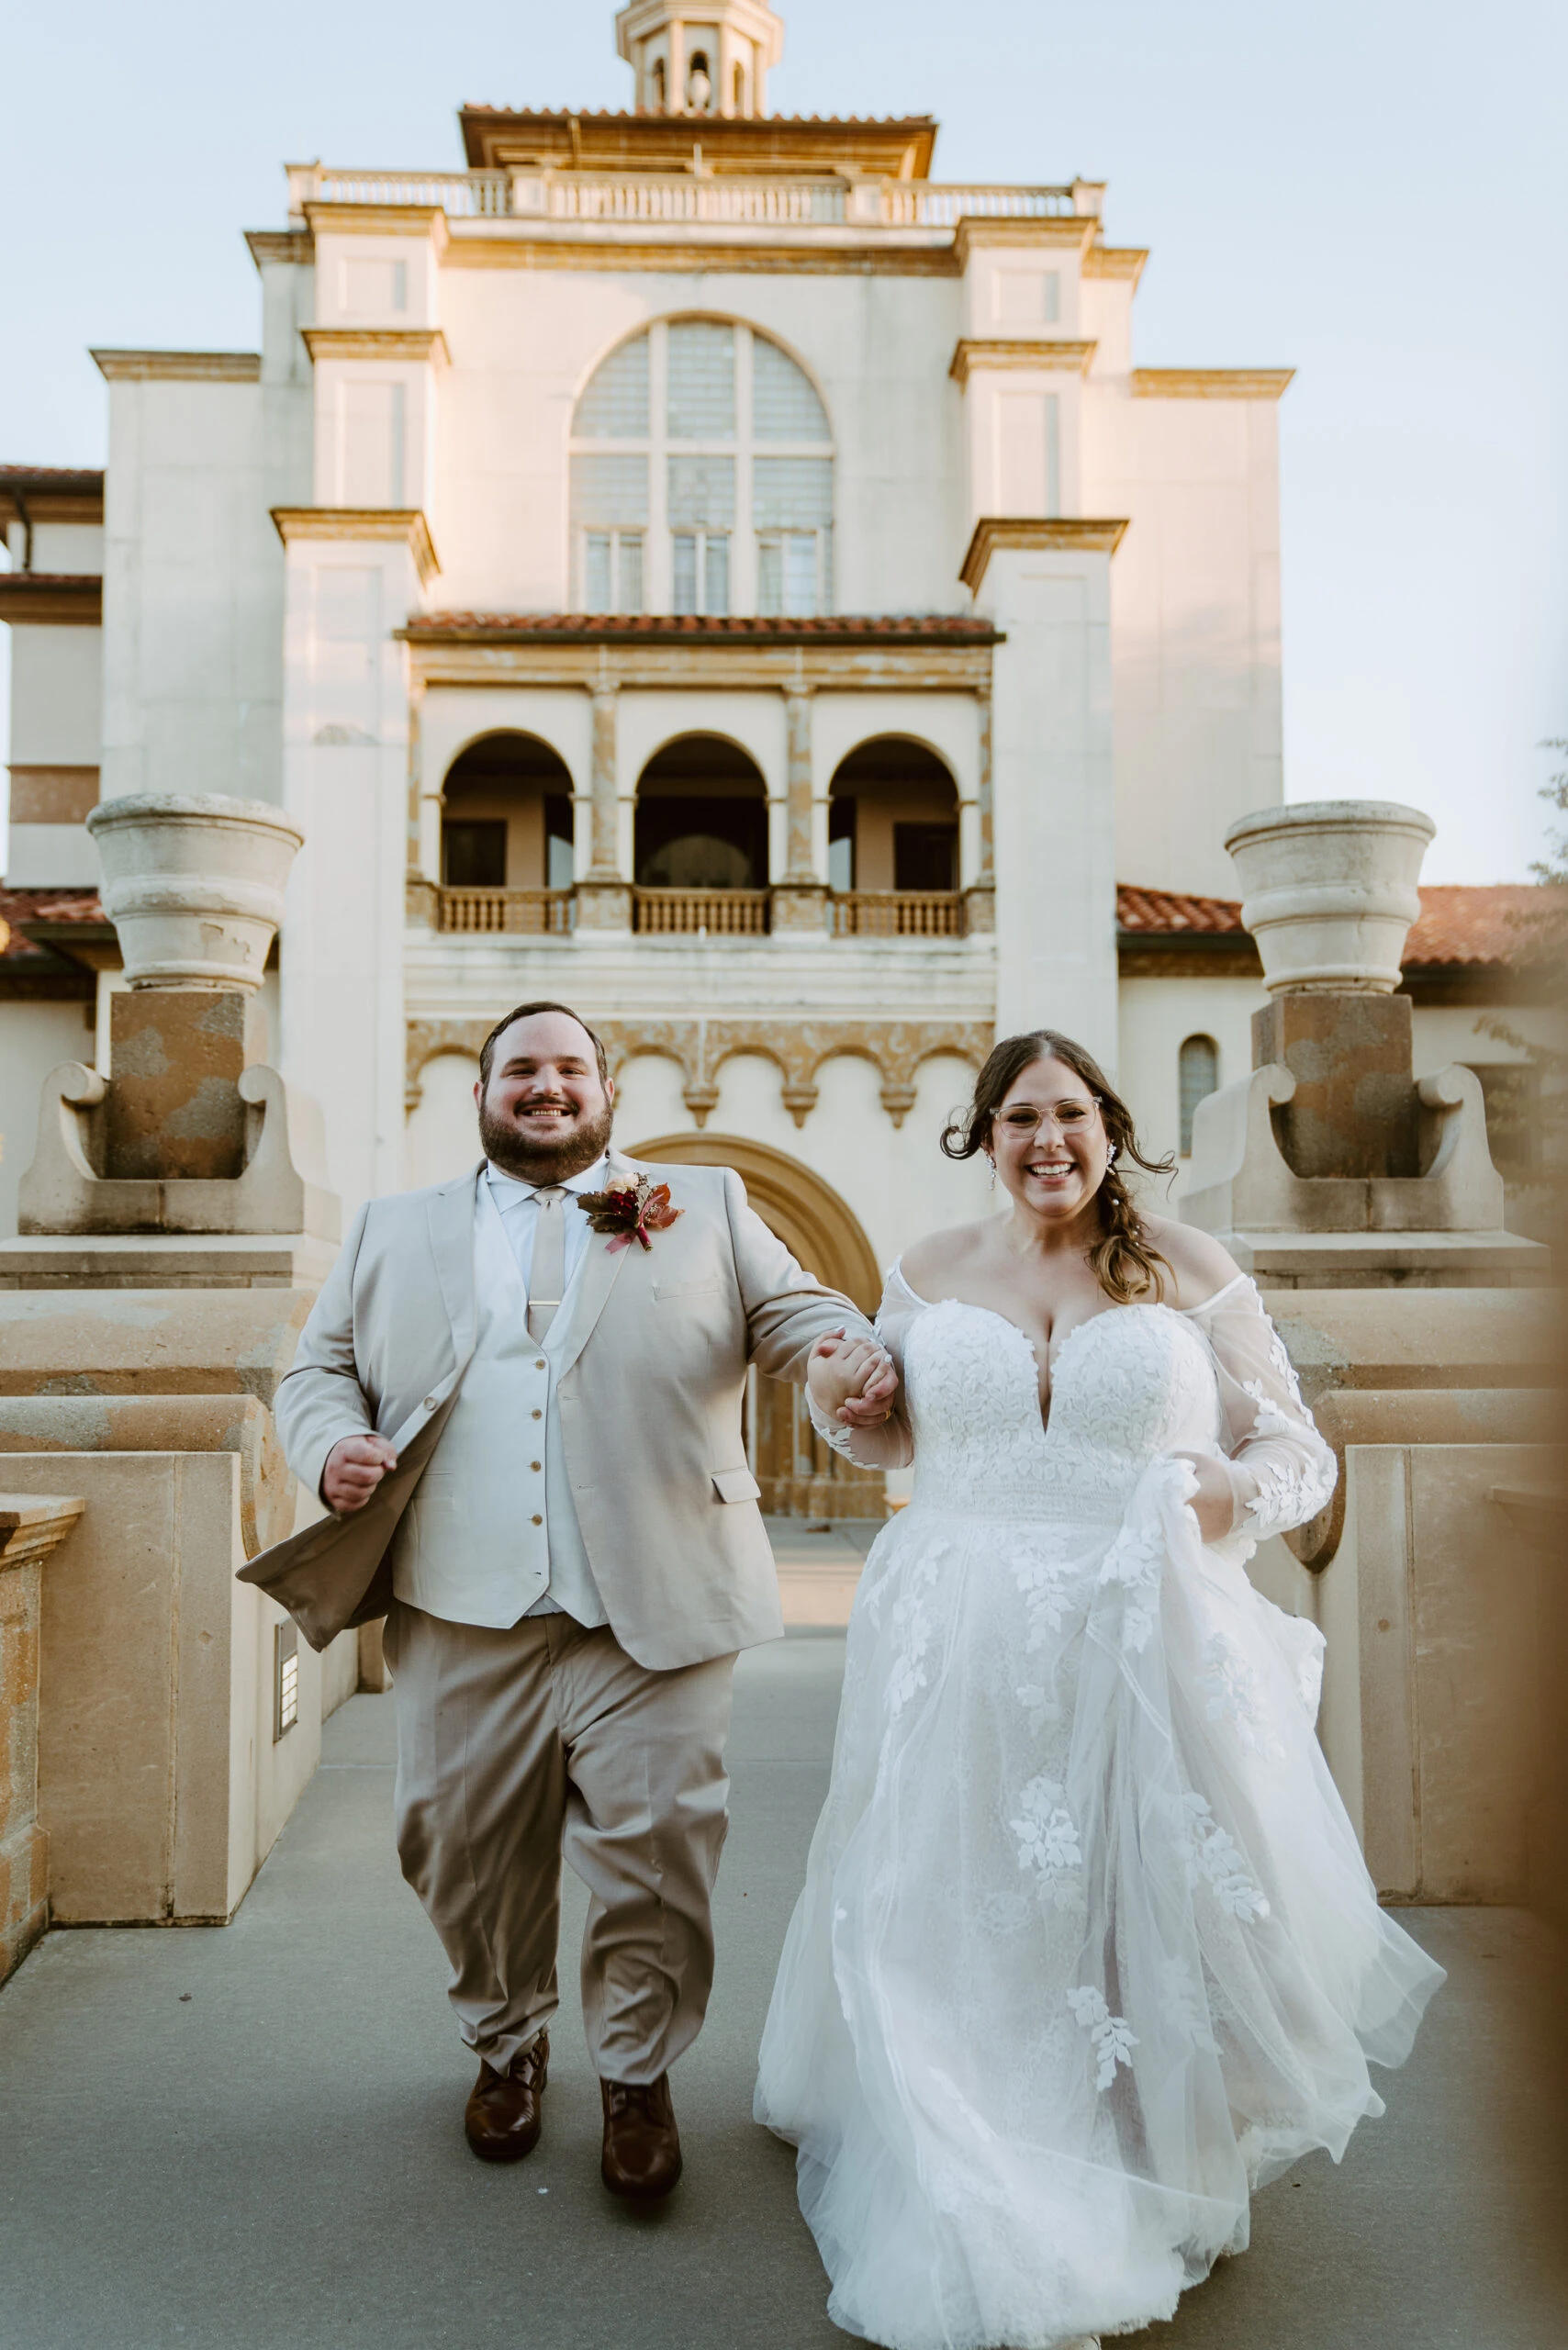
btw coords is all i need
(543, 1162)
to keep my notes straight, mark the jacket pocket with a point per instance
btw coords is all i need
(677, 1292)
(736, 1485)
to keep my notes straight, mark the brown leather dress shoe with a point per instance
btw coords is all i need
(642, 2144)
(502, 2120)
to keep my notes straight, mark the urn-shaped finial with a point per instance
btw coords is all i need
(1329, 892)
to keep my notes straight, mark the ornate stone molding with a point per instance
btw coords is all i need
(1009, 352)
(178, 366)
(1210, 382)
(1115, 261)
(979, 232)
(1050, 533)
(376, 342)
(798, 1048)
(405, 522)
(729, 665)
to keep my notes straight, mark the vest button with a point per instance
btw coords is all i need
(537, 1519)
(540, 1364)
(536, 1464)
(538, 1415)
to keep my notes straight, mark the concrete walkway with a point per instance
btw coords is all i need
(252, 2136)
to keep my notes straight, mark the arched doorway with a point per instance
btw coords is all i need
(800, 1475)
(507, 816)
(701, 818)
(893, 820)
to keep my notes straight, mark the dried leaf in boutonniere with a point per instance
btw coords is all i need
(630, 1212)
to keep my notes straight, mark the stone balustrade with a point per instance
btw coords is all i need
(657, 198)
(31, 1526)
(734, 914)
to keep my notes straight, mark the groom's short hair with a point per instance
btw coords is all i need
(526, 1012)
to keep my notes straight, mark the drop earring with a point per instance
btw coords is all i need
(991, 1186)
(1110, 1155)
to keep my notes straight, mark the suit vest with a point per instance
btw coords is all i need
(491, 1528)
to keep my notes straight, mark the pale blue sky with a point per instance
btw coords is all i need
(1372, 191)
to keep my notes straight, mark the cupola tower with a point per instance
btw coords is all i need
(701, 57)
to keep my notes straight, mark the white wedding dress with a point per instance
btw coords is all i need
(1086, 1949)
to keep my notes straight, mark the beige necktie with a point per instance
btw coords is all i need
(547, 1276)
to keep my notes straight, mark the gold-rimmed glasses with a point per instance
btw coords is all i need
(1071, 1116)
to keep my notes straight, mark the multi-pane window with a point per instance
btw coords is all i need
(1197, 1069)
(702, 477)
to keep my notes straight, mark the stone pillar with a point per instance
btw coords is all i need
(423, 888)
(980, 883)
(30, 1526)
(604, 896)
(800, 899)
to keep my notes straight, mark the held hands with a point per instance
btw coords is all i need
(1214, 1504)
(355, 1469)
(852, 1381)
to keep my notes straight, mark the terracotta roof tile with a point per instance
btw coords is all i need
(1158, 913)
(54, 477)
(18, 906)
(956, 627)
(1461, 922)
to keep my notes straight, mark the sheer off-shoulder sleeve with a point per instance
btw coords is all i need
(1282, 1471)
(891, 1445)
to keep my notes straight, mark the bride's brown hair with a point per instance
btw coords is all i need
(1124, 1259)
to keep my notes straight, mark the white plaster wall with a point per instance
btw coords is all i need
(1453, 1031)
(442, 1136)
(1194, 599)
(346, 783)
(56, 695)
(524, 342)
(1154, 1016)
(68, 546)
(33, 1039)
(1054, 820)
(193, 593)
(51, 856)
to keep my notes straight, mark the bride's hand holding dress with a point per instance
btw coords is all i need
(1087, 1948)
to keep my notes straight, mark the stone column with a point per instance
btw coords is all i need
(423, 885)
(604, 897)
(30, 1526)
(800, 899)
(979, 883)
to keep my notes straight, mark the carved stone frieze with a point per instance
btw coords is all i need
(895, 1050)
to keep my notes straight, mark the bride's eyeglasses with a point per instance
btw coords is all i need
(1068, 1117)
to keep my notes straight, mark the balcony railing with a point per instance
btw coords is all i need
(729, 914)
(675, 198)
(536, 913)
(690, 913)
(896, 913)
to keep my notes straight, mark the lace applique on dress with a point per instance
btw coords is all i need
(1110, 2036)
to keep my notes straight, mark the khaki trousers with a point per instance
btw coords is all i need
(513, 1745)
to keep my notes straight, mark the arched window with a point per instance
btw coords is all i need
(1197, 1069)
(702, 477)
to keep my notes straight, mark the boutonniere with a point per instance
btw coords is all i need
(630, 1212)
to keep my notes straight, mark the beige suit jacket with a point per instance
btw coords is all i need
(649, 1387)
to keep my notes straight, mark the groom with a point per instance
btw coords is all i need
(519, 1395)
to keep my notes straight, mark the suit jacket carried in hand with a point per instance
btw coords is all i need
(650, 1380)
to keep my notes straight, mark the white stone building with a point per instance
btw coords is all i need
(692, 564)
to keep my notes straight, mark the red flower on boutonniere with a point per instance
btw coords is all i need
(630, 1211)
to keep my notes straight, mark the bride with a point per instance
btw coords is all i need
(1086, 1949)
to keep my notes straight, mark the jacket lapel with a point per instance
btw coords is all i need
(600, 1269)
(450, 1217)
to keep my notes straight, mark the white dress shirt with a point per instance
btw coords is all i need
(519, 1206)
